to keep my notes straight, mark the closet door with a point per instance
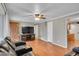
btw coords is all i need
(14, 31)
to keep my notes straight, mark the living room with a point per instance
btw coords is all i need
(42, 26)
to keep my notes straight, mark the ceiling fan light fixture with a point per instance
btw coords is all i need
(37, 15)
(37, 19)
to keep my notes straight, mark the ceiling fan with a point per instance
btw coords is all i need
(39, 17)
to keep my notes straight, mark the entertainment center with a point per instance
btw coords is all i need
(27, 33)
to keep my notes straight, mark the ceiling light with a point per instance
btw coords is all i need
(37, 19)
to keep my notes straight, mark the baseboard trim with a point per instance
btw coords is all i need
(54, 43)
(59, 45)
(44, 40)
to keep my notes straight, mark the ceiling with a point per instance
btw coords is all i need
(24, 12)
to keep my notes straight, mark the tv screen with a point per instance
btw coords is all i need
(27, 30)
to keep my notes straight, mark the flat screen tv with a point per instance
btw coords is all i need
(27, 30)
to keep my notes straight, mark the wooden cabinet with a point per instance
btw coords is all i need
(71, 40)
(26, 37)
(71, 37)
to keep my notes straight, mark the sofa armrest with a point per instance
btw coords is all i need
(23, 51)
(19, 43)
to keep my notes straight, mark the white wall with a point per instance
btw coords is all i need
(42, 31)
(60, 32)
(4, 27)
(36, 31)
(24, 24)
(1, 28)
(4, 23)
(50, 31)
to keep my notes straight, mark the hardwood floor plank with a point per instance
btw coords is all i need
(42, 48)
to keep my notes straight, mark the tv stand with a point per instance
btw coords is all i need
(29, 36)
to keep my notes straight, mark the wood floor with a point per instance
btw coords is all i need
(42, 48)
